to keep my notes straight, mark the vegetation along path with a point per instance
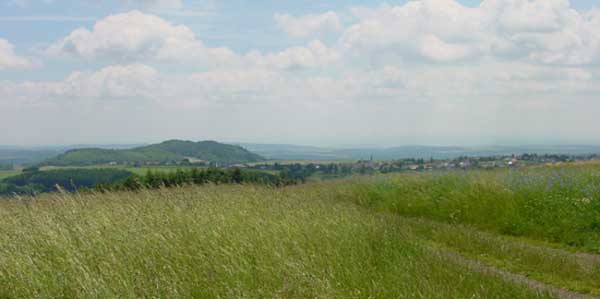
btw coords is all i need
(475, 265)
(408, 236)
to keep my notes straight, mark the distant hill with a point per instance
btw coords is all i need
(296, 152)
(168, 151)
(24, 155)
(18, 156)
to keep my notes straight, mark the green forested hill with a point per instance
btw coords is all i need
(168, 151)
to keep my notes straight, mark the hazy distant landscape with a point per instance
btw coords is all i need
(361, 149)
(32, 155)
(294, 152)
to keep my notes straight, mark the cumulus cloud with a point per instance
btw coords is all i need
(429, 66)
(136, 36)
(109, 83)
(10, 60)
(539, 31)
(314, 55)
(303, 26)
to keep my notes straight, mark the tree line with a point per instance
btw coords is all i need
(33, 181)
(196, 176)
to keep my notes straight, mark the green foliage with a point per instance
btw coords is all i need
(173, 151)
(195, 176)
(34, 182)
(31, 169)
(5, 167)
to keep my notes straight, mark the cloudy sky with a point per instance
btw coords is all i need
(309, 72)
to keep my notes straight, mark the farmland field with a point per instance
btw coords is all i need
(8, 173)
(531, 233)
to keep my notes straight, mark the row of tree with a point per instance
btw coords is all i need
(195, 176)
(33, 182)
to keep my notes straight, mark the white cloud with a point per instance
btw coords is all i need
(538, 31)
(130, 81)
(425, 67)
(109, 83)
(131, 36)
(10, 60)
(303, 26)
(394, 101)
(314, 55)
(135, 36)
(157, 4)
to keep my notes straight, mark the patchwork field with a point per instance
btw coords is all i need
(503, 234)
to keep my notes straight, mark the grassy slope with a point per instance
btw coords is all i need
(386, 237)
(227, 241)
(559, 205)
(535, 220)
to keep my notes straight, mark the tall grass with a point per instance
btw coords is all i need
(223, 242)
(555, 204)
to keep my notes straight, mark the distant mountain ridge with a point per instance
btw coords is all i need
(168, 151)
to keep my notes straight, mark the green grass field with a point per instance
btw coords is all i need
(500, 234)
(8, 173)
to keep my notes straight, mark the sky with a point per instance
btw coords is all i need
(363, 72)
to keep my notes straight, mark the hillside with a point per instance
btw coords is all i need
(19, 156)
(168, 151)
(477, 234)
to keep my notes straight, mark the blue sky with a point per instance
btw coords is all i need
(312, 72)
(224, 22)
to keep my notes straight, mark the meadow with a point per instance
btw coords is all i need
(8, 173)
(498, 234)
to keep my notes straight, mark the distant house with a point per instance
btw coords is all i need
(240, 166)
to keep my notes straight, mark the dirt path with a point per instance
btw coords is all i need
(478, 266)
